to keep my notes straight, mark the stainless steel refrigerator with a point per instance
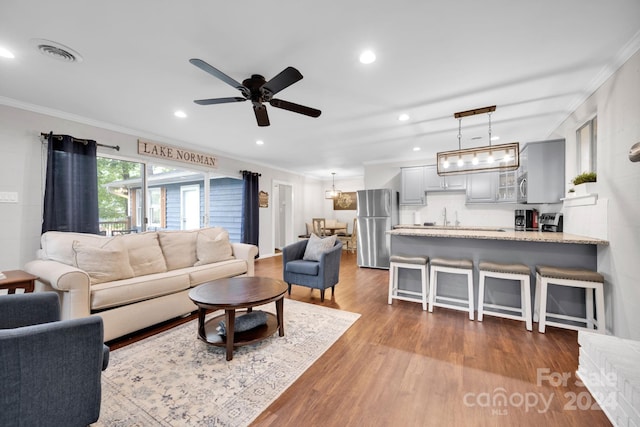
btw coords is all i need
(377, 213)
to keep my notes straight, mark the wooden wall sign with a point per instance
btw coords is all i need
(174, 153)
(263, 199)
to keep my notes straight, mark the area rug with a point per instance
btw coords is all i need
(174, 379)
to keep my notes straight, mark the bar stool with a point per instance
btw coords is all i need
(415, 263)
(453, 266)
(519, 272)
(590, 281)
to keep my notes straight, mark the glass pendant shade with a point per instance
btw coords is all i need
(333, 193)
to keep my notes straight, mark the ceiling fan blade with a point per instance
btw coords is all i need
(286, 78)
(261, 114)
(296, 108)
(219, 74)
(219, 100)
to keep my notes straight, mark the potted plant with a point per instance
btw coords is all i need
(584, 183)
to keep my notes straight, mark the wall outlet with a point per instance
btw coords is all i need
(8, 197)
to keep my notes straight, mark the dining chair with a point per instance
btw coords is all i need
(319, 225)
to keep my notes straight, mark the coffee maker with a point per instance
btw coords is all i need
(526, 220)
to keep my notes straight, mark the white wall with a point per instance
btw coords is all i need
(22, 166)
(617, 105)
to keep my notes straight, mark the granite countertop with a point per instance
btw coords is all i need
(492, 233)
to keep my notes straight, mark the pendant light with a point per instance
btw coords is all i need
(333, 193)
(503, 157)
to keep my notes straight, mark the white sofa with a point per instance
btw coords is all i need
(136, 280)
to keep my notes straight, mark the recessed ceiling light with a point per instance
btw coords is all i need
(416, 148)
(367, 57)
(180, 114)
(259, 142)
(5, 53)
(403, 117)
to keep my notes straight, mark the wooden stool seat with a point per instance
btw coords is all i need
(411, 262)
(519, 272)
(593, 284)
(452, 266)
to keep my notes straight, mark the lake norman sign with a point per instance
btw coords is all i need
(174, 153)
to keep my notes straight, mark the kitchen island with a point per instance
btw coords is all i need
(498, 245)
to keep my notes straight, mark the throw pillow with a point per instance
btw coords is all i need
(104, 263)
(316, 246)
(179, 248)
(210, 250)
(145, 255)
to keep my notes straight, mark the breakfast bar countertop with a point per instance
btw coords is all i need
(493, 233)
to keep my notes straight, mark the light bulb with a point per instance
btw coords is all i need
(474, 160)
(460, 162)
(445, 164)
(490, 158)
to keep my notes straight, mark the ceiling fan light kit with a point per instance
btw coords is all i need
(503, 157)
(259, 91)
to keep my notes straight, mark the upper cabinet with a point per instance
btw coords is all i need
(541, 174)
(482, 187)
(419, 180)
(412, 186)
(492, 187)
(435, 182)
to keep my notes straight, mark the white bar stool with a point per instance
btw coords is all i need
(519, 272)
(453, 266)
(590, 281)
(416, 263)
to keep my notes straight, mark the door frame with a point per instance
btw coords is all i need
(275, 218)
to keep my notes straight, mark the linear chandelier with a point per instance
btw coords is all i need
(333, 193)
(502, 157)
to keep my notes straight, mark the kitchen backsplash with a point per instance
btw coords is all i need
(490, 215)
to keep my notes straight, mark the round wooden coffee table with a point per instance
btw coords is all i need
(230, 295)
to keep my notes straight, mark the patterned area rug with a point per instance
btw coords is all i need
(174, 379)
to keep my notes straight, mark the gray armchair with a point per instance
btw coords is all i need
(313, 274)
(50, 370)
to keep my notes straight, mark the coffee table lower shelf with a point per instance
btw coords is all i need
(251, 336)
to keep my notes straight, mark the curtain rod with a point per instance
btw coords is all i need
(256, 173)
(83, 141)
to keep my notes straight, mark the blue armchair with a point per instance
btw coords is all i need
(319, 274)
(50, 370)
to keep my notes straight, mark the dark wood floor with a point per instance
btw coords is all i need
(401, 366)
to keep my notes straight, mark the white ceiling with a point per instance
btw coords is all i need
(535, 60)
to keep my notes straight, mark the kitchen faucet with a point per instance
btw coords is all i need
(445, 222)
(457, 222)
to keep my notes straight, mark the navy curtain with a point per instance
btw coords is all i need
(71, 190)
(250, 206)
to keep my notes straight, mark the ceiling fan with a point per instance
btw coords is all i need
(257, 90)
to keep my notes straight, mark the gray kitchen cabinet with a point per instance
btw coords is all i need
(482, 187)
(412, 186)
(435, 182)
(541, 174)
(506, 191)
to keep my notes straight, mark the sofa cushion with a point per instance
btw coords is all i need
(317, 246)
(121, 292)
(210, 250)
(58, 245)
(218, 270)
(145, 255)
(179, 248)
(300, 266)
(104, 263)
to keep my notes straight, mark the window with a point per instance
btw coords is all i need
(174, 198)
(586, 146)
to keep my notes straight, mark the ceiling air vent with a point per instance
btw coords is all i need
(56, 50)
